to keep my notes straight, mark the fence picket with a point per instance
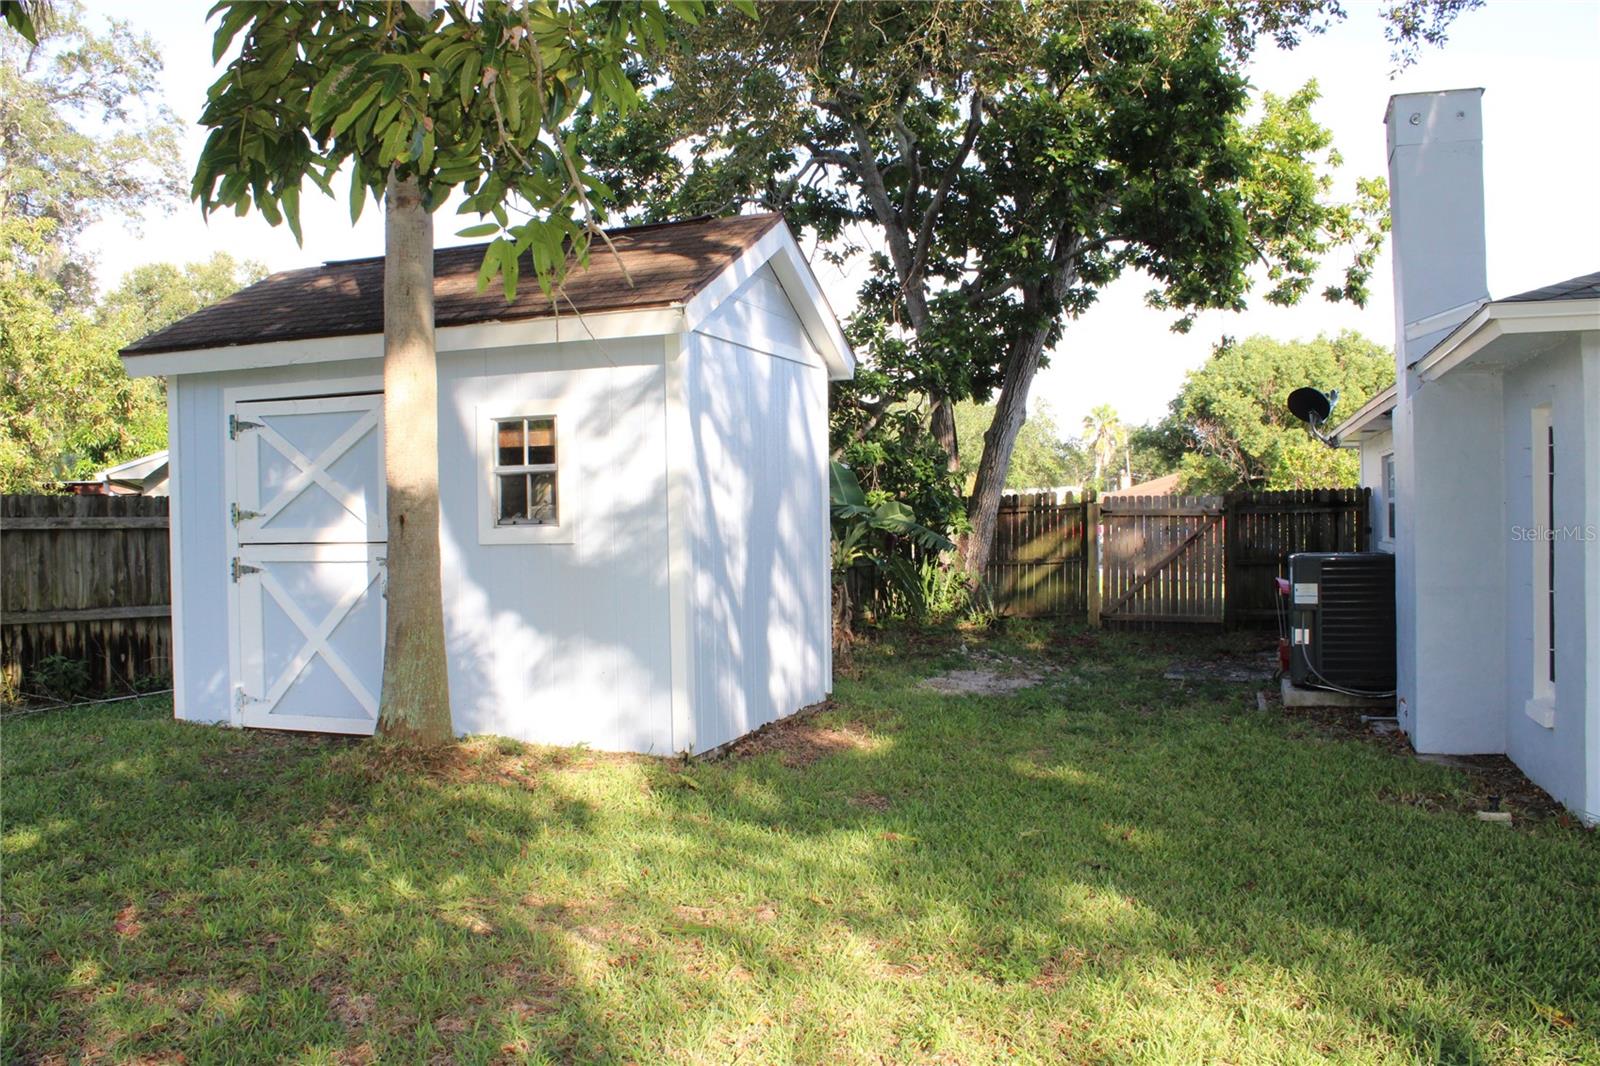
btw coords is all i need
(86, 578)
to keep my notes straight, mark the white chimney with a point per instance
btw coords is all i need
(1450, 636)
(1436, 209)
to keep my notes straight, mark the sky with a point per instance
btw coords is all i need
(1538, 63)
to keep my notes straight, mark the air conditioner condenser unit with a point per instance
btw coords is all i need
(1341, 622)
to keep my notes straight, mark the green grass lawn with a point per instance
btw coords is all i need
(1107, 867)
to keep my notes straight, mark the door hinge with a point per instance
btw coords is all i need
(240, 698)
(237, 425)
(241, 569)
(239, 514)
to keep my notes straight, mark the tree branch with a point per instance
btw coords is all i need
(931, 215)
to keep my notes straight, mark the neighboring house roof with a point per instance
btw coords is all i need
(146, 475)
(1507, 331)
(1371, 417)
(1166, 485)
(668, 264)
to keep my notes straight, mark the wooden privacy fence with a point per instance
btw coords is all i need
(1154, 560)
(1039, 561)
(86, 578)
(1265, 528)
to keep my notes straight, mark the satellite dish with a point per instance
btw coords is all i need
(1313, 406)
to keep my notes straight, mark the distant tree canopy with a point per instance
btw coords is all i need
(1044, 456)
(84, 136)
(67, 407)
(158, 294)
(1230, 428)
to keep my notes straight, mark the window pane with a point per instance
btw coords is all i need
(509, 441)
(513, 497)
(541, 441)
(542, 501)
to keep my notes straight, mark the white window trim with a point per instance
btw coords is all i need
(568, 506)
(1391, 485)
(1541, 707)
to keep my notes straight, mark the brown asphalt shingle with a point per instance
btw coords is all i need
(668, 263)
(1582, 287)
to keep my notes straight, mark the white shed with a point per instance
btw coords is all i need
(633, 486)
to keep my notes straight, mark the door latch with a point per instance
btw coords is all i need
(239, 514)
(241, 569)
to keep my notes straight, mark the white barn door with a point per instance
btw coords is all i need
(308, 564)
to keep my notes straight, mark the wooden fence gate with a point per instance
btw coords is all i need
(1210, 560)
(86, 578)
(1162, 559)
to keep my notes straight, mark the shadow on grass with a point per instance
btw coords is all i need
(1106, 866)
(1100, 826)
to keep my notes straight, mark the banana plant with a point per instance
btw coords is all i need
(865, 530)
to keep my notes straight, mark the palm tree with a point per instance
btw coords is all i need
(1105, 435)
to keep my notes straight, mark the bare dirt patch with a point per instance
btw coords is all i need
(872, 801)
(1232, 668)
(979, 682)
(798, 740)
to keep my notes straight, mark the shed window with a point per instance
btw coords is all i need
(525, 471)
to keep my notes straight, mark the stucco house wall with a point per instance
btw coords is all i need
(1554, 753)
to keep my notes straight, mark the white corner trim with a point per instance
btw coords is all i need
(180, 686)
(1590, 344)
(599, 325)
(1542, 709)
(680, 563)
(779, 248)
(522, 402)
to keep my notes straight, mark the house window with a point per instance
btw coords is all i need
(1388, 495)
(1544, 554)
(525, 472)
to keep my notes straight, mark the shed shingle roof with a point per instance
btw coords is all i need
(669, 263)
(1583, 287)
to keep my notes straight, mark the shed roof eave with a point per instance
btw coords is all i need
(592, 327)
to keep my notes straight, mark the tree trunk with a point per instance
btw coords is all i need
(942, 424)
(415, 703)
(1011, 408)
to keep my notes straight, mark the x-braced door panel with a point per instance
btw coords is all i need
(311, 619)
(308, 561)
(309, 471)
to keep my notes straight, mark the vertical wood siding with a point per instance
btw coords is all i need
(759, 607)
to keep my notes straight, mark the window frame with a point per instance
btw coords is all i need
(489, 417)
(1386, 470)
(1542, 580)
(526, 469)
